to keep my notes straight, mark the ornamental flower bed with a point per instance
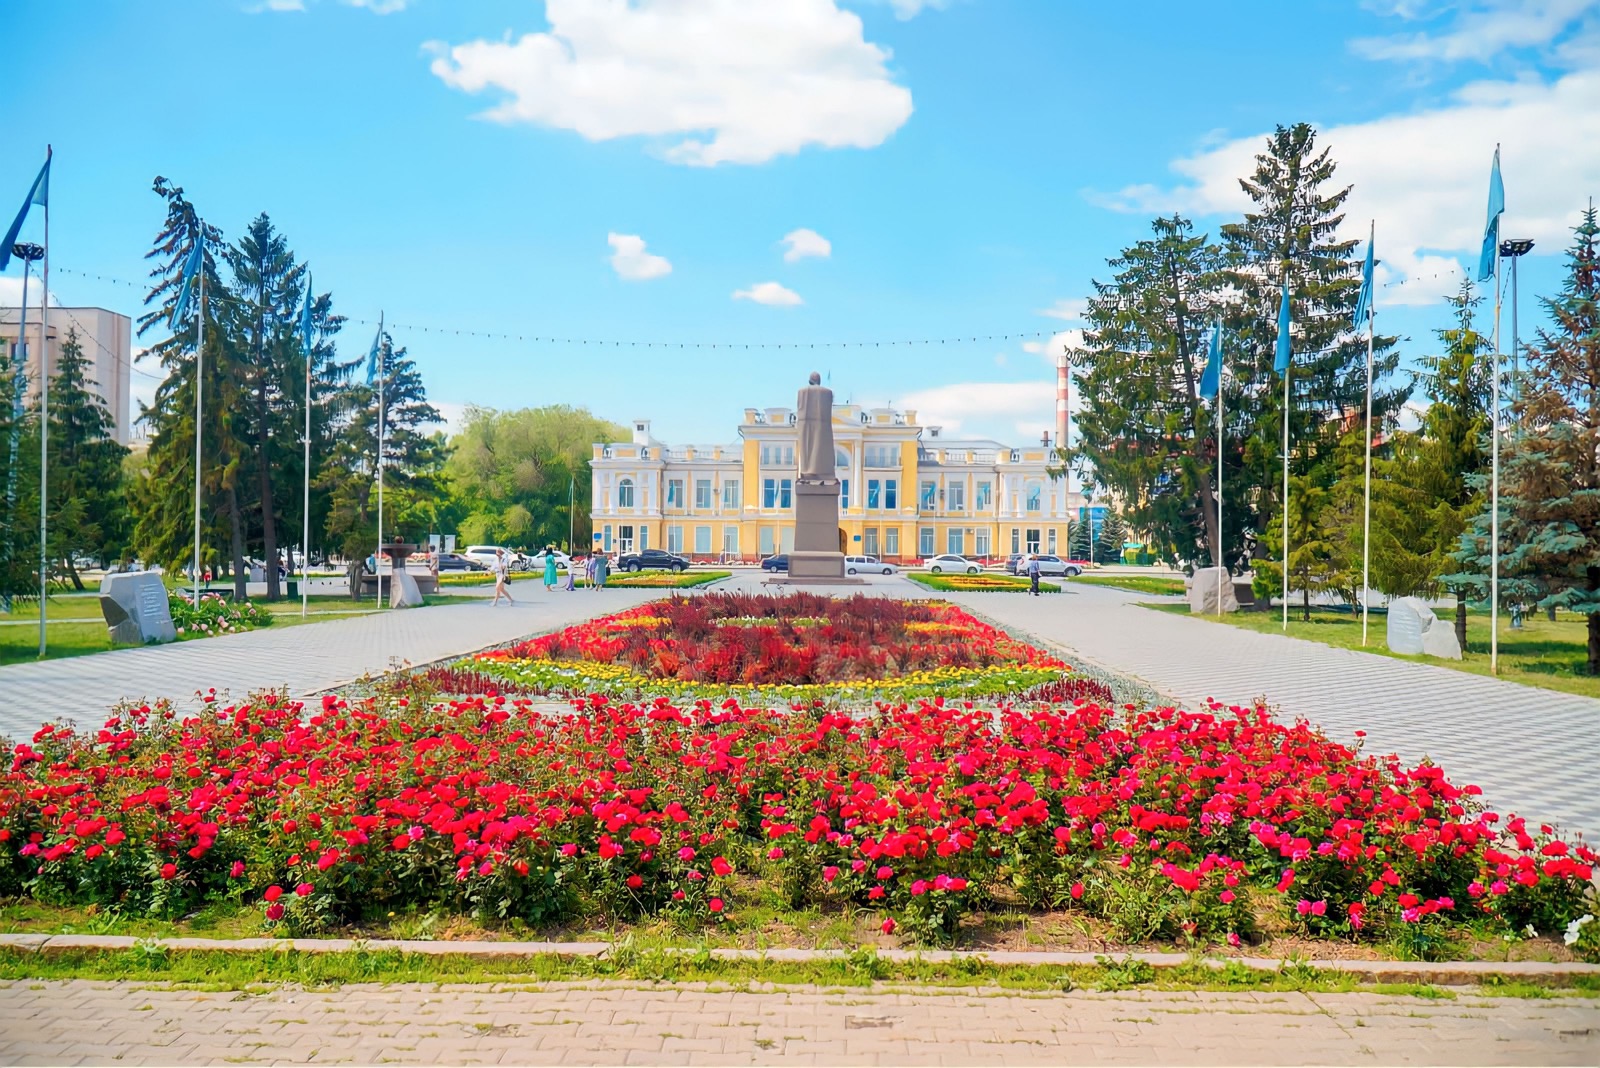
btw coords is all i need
(980, 583)
(798, 647)
(1200, 827)
(214, 615)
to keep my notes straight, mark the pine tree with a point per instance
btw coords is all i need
(1290, 233)
(1312, 561)
(1144, 430)
(88, 511)
(1079, 545)
(1113, 535)
(1550, 475)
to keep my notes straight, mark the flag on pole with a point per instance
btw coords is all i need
(39, 194)
(1364, 302)
(1491, 230)
(305, 320)
(1285, 348)
(1211, 379)
(372, 354)
(191, 269)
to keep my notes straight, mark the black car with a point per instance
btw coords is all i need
(1011, 563)
(776, 563)
(457, 562)
(652, 558)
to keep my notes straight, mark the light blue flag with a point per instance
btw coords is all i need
(372, 356)
(38, 194)
(191, 268)
(1285, 346)
(1491, 230)
(1211, 380)
(1364, 302)
(305, 320)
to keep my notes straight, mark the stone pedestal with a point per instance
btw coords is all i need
(1413, 628)
(403, 591)
(815, 558)
(136, 609)
(1205, 588)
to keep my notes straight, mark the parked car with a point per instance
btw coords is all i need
(652, 558)
(950, 562)
(1011, 562)
(776, 563)
(1048, 565)
(484, 554)
(457, 562)
(536, 561)
(870, 564)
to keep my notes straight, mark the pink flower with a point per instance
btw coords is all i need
(1319, 908)
(168, 871)
(570, 849)
(919, 888)
(830, 873)
(720, 866)
(1226, 897)
(237, 870)
(273, 893)
(1233, 940)
(686, 854)
(715, 904)
(1304, 907)
(635, 881)
(887, 926)
(304, 889)
(274, 912)
(1287, 881)
(1077, 891)
(774, 853)
(886, 872)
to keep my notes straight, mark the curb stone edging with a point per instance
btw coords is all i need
(1447, 973)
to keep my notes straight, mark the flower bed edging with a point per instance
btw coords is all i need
(1447, 973)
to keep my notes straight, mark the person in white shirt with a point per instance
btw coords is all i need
(502, 569)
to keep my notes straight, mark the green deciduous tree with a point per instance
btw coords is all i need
(88, 508)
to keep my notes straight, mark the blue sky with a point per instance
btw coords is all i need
(629, 170)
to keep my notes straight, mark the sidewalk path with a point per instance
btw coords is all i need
(1534, 752)
(129, 1023)
(304, 658)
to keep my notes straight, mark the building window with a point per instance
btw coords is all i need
(625, 538)
(890, 503)
(956, 493)
(777, 456)
(1052, 541)
(873, 497)
(844, 493)
(925, 541)
(984, 497)
(766, 541)
(702, 540)
(625, 493)
(675, 493)
(644, 538)
(1035, 491)
(769, 493)
(1016, 540)
(702, 494)
(730, 540)
(926, 502)
(980, 543)
(607, 542)
(674, 539)
(869, 541)
(891, 541)
(956, 540)
(730, 494)
(786, 493)
(881, 456)
(841, 460)
(1033, 540)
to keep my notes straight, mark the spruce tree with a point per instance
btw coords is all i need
(1550, 474)
(1113, 534)
(1313, 564)
(88, 510)
(1079, 545)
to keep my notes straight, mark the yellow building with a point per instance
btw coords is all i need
(906, 491)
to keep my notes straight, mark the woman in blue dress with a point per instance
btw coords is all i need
(549, 569)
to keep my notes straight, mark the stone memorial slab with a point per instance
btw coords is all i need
(1439, 639)
(403, 591)
(1204, 590)
(135, 608)
(1408, 618)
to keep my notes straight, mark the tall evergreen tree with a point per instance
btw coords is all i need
(1113, 534)
(88, 510)
(1290, 233)
(1080, 546)
(1143, 429)
(1313, 566)
(1550, 474)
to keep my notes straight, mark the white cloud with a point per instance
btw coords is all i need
(1072, 309)
(1481, 32)
(770, 293)
(11, 292)
(379, 7)
(1015, 412)
(452, 415)
(1425, 176)
(723, 81)
(276, 5)
(1049, 350)
(803, 243)
(631, 262)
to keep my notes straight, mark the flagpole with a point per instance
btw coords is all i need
(1287, 371)
(44, 430)
(1221, 566)
(378, 560)
(305, 508)
(1366, 506)
(199, 406)
(1494, 479)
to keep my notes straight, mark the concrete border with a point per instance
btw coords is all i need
(1444, 973)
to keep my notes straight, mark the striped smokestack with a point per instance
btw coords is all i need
(1062, 389)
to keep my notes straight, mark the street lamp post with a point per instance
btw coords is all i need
(1514, 249)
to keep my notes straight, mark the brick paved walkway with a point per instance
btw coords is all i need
(1533, 751)
(304, 658)
(101, 1023)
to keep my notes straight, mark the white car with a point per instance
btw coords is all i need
(870, 564)
(484, 554)
(1049, 565)
(950, 562)
(536, 561)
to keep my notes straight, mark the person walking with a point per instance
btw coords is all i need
(502, 569)
(550, 577)
(601, 561)
(572, 574)
(1033, 575)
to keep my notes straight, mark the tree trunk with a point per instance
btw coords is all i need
(1461, 619)
(1305, 613)
(72, 572)
(241, 574)
(1551, 613)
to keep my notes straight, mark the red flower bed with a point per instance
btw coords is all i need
(1165, 823)
(798, 639)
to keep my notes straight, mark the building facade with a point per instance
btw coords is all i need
(907, 492)
(106, 338)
